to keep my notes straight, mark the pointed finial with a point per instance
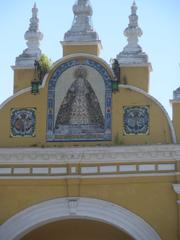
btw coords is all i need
(132, 32)
(82, 29)
(34, 21)
(133, 52)
(33, 37)
(134, 8)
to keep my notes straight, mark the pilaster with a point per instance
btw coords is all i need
(176, 112)
(176, 188)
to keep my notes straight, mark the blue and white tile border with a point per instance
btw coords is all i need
(107, 134)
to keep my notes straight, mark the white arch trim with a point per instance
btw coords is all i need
(76, 208)
(173, 134)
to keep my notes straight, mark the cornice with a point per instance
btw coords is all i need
(126, 154)
(96, 42)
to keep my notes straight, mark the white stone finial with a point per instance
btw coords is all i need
(33, 37)
(132, 53)
(82, 29)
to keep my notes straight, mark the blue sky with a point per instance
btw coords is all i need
(159, 20)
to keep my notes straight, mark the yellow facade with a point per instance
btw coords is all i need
(176, 117)
(22, 78)
(136, 76)
(89, 48)
(159, 132)
(152, 199)
(123, 183)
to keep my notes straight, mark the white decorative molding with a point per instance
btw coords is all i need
(176, 188)
(127, 168)
(123, 154)
(90, 176)
(108, 169)
(146, 167)
(73, 170)
(4, 171)
(171, 127)
(59, 170)
(40, 170)
(95, 169)
(21, 171)
(69, 208)
(166, 167)
(90, 170)
(98, 42)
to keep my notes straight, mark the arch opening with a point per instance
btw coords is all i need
(84, 208)
(77, 229)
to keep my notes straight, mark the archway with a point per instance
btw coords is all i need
(77, 229)
(76, 208)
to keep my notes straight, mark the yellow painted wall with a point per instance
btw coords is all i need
(39, 102)
(151, 198)
(176, 119)
(89, 49)
(77, 230)
(136, 76)
(178, 219)
(22, 78)
(159, 129)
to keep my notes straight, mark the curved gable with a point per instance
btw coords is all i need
(138, 118)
